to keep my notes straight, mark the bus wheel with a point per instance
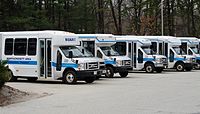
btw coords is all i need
(196, 67)
(149, 68)
(109, 72)
(180, 67)
(32, 79)
(89, 80)
(69, 77)
(123, 74)
(159, 70)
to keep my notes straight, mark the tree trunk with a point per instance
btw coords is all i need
(114, 16)
(100, 16)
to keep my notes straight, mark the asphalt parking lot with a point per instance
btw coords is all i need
(168, 92)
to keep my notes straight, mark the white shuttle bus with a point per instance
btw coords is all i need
(171, 48)
(190, 45)
(100, 46)
(46, 54)
(141, 54)
(89, 55)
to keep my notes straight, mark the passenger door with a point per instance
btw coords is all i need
(171, 59)
(45, 58)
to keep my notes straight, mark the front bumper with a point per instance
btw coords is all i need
(189, 65)
(161, 65)
(82, 75)
(122, 69)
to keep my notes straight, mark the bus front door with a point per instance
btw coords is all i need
(45, 58)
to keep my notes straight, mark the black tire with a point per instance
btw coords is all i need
(89, 80)
(32, 79)
(123, 74)
(196, 67)
(69, 77)
(159, 70)
(109, 72)
(149, 68)
(188, 68)
(180, 67)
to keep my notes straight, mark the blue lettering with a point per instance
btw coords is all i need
(70, 39)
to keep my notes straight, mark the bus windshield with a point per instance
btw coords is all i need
(75, 50)
(86, 52)
(148, 50)
(105, 50)
(195, 50)
(179, 51)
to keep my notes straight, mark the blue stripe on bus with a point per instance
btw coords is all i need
(148, 59)
(179, 59)
(109, 62)
(66, 65)
(23, 62)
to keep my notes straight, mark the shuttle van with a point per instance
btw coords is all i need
(171, 48)
(89, 55)
(47, 54)
(190, 46)
(100, 46)
(141, 54)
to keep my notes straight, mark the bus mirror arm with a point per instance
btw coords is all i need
(76, 61)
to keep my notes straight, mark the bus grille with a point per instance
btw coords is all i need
(127, 62)
(93, 65)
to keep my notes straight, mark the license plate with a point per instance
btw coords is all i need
(95, 72)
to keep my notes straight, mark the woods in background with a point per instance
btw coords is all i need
(137, 17)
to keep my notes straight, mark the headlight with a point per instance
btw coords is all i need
(189, 60)
(119, 62)
(159, 60)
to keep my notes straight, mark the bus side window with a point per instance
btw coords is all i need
(8, 46)
(129, 49)
(59, 61)
(20, 46)
(140, 56)
(154, 46)
(171, 56)
(160, 49)
(32, 44)
(99, 54)
(120, 47)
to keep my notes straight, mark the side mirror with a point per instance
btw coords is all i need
(108, 53)
(70, 54)
(83, 51)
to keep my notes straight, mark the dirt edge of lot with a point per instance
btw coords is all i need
(10, 95)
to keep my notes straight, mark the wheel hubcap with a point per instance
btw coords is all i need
(149, 69)
(70, 78)
(179, 67)
(108, 72)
